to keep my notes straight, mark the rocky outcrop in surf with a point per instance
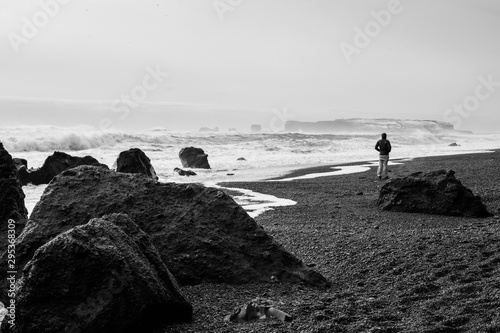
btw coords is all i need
(437, 192)
(192, 157)
(54, 165)
(135, 160)
(103, 276)
(201, 233)
(186, 173)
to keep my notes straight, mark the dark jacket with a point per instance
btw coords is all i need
(383, 146)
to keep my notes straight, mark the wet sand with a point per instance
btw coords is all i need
(391, 272)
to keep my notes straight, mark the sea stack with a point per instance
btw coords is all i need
(135, 160)
(192, 157)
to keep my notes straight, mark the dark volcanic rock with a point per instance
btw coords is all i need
(19, 162)
(192, 157)
(22, 170)
(104, 276)
(201, 233)
(437, 192)
(185, 172)
(12, 208)
(57, 163)
(11, 198)
(135, 160)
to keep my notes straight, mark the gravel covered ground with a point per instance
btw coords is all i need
(391, 272)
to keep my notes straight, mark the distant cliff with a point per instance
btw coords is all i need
(367, 125)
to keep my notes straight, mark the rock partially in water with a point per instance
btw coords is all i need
(54, 165)
(201, 233)
(19, 162)
(192, 157)
(103, 276)
(135, 160)
(437, 192)
(184, 172)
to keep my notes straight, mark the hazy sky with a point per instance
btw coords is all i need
(182, 64)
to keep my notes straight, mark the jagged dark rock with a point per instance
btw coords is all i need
(201, 233)
(11, 198)
(11, 195)
(103, 276)
(22, 170)
(13, 216)
(184, 172)
(19, 162)
(54, 165)
(135, 160)
(437, 192)
(192, 157)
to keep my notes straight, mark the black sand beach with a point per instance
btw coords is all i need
(391, 272)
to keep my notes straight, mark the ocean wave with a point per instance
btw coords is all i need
(45, 139)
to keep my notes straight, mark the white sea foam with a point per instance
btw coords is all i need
(267, 155)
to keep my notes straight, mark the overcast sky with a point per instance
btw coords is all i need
(182, 64)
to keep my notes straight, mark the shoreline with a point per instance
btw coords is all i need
(253, 175)
(391, 272)
(316, 168)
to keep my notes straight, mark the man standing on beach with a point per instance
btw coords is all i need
(383, 146)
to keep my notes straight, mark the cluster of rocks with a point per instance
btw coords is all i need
(105, 251)
(133, 160)
(53, 165)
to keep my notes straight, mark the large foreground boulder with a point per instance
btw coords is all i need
(135, 160)
(201, 233)
(55, 164)
(103, 276)
(437, 192)
(192, 157)
(11, 199)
